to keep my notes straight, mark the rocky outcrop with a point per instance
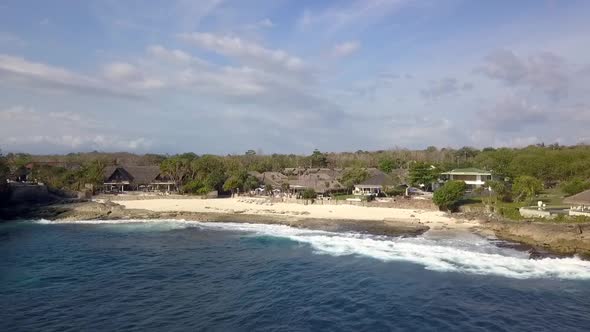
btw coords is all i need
(560, 237)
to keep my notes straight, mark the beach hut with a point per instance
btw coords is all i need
(134, 178)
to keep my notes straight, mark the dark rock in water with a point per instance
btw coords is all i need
(537, 253)
(512, 245)
(533, 251)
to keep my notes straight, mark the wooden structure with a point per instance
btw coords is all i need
(374, 185)
(136, 178)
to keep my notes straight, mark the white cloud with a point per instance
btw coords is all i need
(129, 75)
(444, 87)
(545, 72)
(345, 48)
(66, 143)
(357, 14)
(19, 113)
(32, 74)
(24, 128)
(120, 71)
(265, 23)
(175, 55)
(246, 51)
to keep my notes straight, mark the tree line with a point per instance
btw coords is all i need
(554, 165)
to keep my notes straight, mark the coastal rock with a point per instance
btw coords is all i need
(561, 238)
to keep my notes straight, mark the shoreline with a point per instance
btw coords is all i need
(262, 207)
(115, 211)
(541, 239)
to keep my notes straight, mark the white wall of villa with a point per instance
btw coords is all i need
(473, 179)
(580, 210)
(367, 190)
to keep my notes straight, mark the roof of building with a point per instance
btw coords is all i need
(378, 179)
(582, 198)
(274, 179)
(321, 184)
(468, 171)
(139, 174)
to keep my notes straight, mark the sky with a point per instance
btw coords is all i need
(291, 76)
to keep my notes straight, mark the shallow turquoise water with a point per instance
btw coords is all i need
(168, 276)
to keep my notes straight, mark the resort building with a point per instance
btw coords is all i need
(473, 177)
(579, 204)
(136, 178)
(374, 185)
(322, 181)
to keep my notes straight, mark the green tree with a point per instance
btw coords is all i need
(448, 196)
(525, 188)
(354, 176)
(194, 187)
(233, 183)
(386, 165)
(93, 172)
(500, 192)
(423, 174)
(215, 180)
(498, 161)
(251, 183)
(465, 153)
(206, 165)
(575, 186)
(318, 159)
(309, 194)
(176, 168)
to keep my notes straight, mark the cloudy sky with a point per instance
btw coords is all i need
(289, 76)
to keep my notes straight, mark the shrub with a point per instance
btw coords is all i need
(510, 212)
(395, 191)
(574, 186)
(205, 190)
(501, 190)
(309, 194)
(192, 187)
(449, 195)
(526, 187)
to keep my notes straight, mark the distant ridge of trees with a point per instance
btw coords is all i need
(551, 164)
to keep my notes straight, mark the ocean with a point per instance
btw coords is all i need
(191, 276)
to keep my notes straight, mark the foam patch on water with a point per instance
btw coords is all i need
(465, 254)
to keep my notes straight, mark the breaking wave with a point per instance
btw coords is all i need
(465, 253)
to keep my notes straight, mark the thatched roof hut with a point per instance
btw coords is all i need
(320, 183)
(134, 175)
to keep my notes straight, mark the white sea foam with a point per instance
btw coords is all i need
(464, 254)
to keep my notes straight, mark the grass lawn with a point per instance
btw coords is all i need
(343, 197)
(551, 197)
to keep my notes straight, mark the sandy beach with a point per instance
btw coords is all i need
(253, 206)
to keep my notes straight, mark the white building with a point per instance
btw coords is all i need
(374, 185)
(473, 177)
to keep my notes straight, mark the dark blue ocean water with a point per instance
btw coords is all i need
(174, 277)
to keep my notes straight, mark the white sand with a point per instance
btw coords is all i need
(434, 219)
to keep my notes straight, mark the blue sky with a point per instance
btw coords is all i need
(288, 76)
